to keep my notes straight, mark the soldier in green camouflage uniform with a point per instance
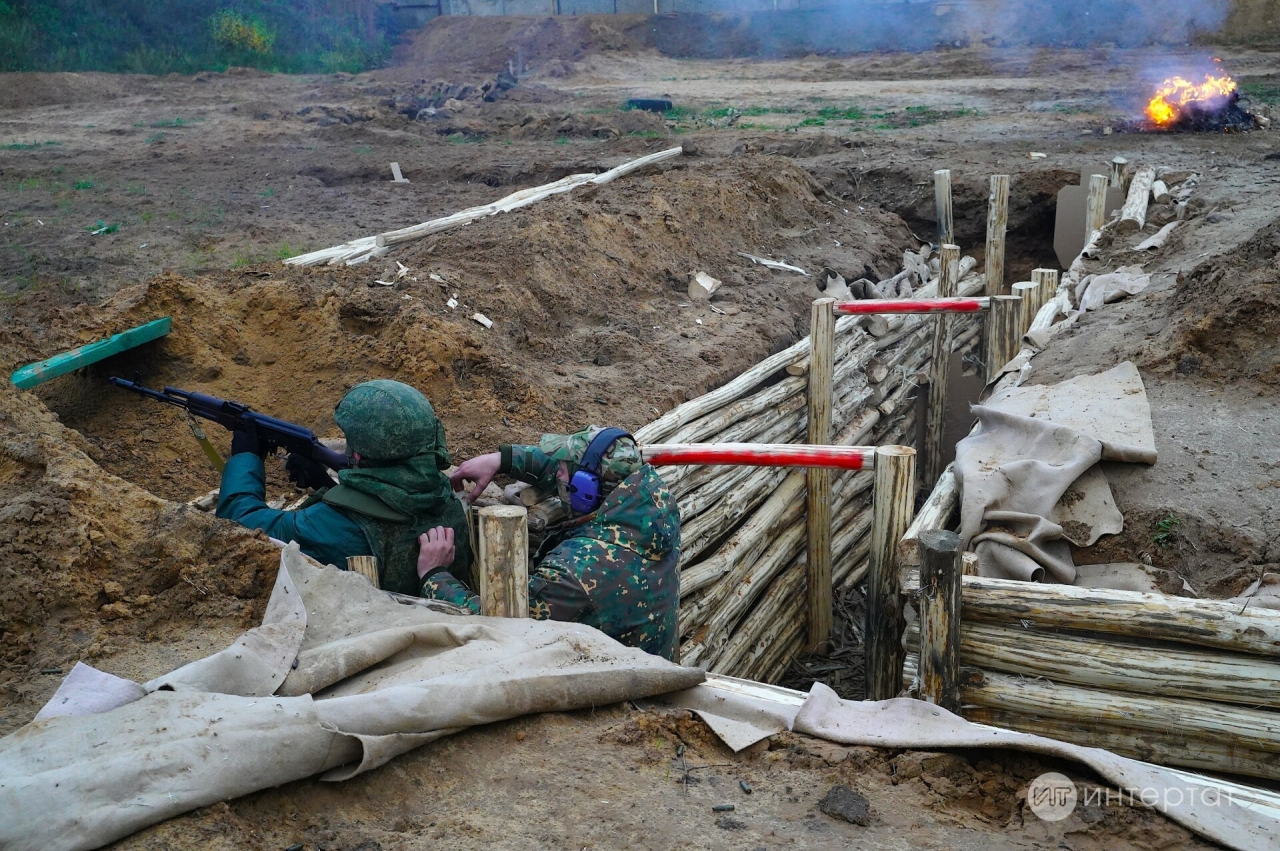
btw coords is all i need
(394, 503)
(614, 569)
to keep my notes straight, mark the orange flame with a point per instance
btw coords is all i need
(1175, 93)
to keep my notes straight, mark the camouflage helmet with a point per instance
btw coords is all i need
(622, 459)
(387, 420)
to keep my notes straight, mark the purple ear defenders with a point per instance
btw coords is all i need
(584, 485)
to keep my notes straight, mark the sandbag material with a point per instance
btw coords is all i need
(907, 723)
(1029, 485)
(386, 678)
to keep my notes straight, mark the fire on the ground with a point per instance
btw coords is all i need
(1176, 96)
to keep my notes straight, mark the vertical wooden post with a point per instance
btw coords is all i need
(1048, 281)
(1028, 292)
(1117, 172)
(939, 369)
(366, 566)
(1096, 211)
(942, 203)
(502, 565)
(822, 339)
(893, 503)
(997, 223)
(941, 573)
(1005, 330)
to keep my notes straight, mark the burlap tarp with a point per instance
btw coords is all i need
(1029, 487)
(338, 680)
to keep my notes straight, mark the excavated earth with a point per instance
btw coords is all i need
(199, 185)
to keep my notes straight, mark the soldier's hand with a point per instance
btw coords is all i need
(480, 470)
(435, 550)
(246, 440)
(306, 473)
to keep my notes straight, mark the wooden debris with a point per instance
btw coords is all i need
(396, 176)
(1134, 213)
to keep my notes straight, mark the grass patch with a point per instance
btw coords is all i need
(1165, 529)
(848, 113)
(1262, 92)
(176, 122)
(83, 184)
(364, 149)
(156, 138)
(102, 227)
(267, 193)
(135, 189)
(28, 146)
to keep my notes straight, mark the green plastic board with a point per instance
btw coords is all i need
(60, 364)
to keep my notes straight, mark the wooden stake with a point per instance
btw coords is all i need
(821, 369)
(939, 368)
(503, 563)
(997, 223)
(366, 566)
(1048, 281)
(892, 504)
(1133, 216)
(942, 203)
(940, 576)
(1095, 215)
(1160, 192)
(1028, 292)
(1005, 333)
(1117, 172)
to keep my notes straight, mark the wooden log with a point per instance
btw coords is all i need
(1170, 748)
(939, 367)
(894, 499)
(1197, 720)
(523, 493)
(1028, 292)
(1119, 665)
(936, 513)
(502, 565)
(1133, 216)
(1205, 623)
(1095, 215)
(1005, 333)
(939, 603)
(366, 566)
(1160, 192)
(547, 512)
(1117, 172)
(942, 204)
(997, 223)
(818, 499)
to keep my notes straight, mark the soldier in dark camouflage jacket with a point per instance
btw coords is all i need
(614, 569)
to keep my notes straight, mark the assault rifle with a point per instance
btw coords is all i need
(272, 433)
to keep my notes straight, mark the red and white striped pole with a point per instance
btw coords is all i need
(913, 305)
(761, 455)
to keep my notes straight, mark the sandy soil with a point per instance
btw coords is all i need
(212, 178)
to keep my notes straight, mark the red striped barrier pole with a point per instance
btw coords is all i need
(913, 305)
(761, 455)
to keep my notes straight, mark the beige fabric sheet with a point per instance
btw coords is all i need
(373, 679)
(907, 723)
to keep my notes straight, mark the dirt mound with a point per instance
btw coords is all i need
(1227, 317)
(35, 89)
(93, 562)
(453, 45)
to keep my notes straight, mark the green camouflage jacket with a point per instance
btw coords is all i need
(615, 570)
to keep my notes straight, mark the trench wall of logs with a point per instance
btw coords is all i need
(743, 529)
(1172, 680)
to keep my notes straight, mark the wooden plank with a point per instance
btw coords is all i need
(939, 368)
(818, 497)
(941, 572)
(893, 502)
(60, 364)
(942, 204)
(502, 566)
